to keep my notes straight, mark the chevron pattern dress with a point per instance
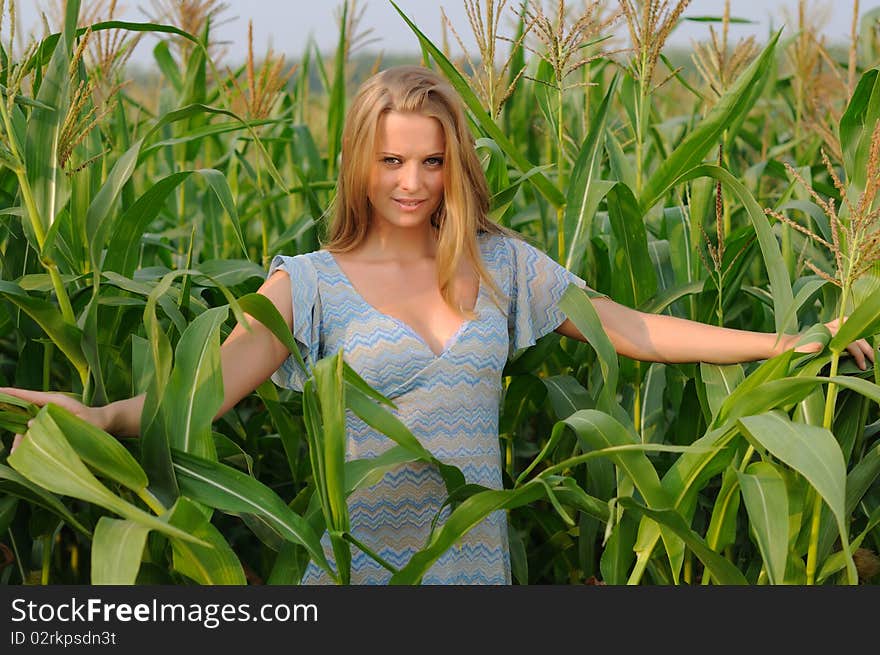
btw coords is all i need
(449, 401)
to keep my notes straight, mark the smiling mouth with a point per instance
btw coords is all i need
(408, 203)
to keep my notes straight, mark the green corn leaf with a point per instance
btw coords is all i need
(15, 413)
(856, 125)
(360, 473)
(653, 419)
(579, 308)
(786, 392)
(862, 475)
(262, 309)
(866, 388)
(502, 199)
(117, 548)
(289, 565)
(215, 564)
(720, 382)
(781, 393)
(99, 218)
(8, 507)
(813, 452)
(494, 165)
(289, 432)
(356, 381)
(634, 277)
(229, 490)
(766, 500)
(14, 422)
(195, 387)
(67, 337)
(52, 39)
(312, 420)
(124, 245)
(383, 421)
(545, 95)
(336, 111)
(863, 322)
(809, 289)
(155, 445)
(228, 272)
(218, 183)
(780, 285)
(99, 450)
(28, 407)
(684, 479)
(617, 553)
(665, 297)
(837, 561)
(467, 515)
(722, 571)
(198, 109)
(596, 431)
(723, 522)
(15, 484)
(47, 459)
(90, 347)
(772, 369)
(735, 103)
(570, 494)
(330, 393)
(621, 165)
(201, 133)
(567, 395)
(42, 168)
(165, 62)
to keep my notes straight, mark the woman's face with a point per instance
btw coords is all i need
(406, 178)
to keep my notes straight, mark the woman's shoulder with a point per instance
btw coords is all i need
(503, 247)
(491, 241)
(306, 264)
(312, 258)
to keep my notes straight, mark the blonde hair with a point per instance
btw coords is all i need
(463, 212)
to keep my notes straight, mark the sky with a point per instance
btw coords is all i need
(287, 25)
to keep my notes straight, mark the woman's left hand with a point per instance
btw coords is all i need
(860, 350)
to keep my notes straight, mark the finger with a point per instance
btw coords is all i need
(868, 349)
(35, 397)
(864, 348)
(15, 441)
(855, 350)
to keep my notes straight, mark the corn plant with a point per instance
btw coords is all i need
(136, 228)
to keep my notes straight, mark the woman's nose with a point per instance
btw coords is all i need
(410, 176)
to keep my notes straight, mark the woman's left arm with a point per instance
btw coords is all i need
(661, 338)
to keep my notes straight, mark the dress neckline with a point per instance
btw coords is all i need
(450, 341)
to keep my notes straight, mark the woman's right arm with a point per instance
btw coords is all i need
(248, 358)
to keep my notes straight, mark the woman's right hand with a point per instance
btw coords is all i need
(93, 415)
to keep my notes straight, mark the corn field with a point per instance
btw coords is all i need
(737, 187)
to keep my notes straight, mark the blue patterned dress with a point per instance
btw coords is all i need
(449, 401)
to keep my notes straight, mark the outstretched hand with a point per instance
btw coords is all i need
(91, 414)
(861, 350)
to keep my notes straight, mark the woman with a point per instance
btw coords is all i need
(427, 298)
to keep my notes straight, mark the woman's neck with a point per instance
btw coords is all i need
(384, 242)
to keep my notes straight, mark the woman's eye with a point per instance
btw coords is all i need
(390, 160)
(434, 161)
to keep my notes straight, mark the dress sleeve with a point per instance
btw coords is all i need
(537, 284)
(306, 318)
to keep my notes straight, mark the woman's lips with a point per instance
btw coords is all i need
(406, 203)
